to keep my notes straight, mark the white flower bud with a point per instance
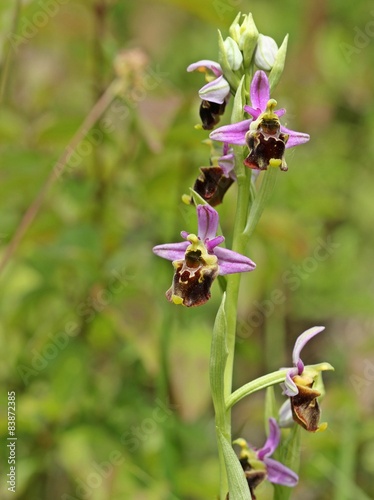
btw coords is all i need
(234, 29)
(245, 34)
(248, 34)
(266, 52)
(233, 54)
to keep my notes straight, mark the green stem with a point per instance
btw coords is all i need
(223, 416)
(233, 280)
(221, 380)
(246, 217)
(224, 337)
(256, 385)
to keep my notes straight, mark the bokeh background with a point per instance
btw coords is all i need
(111, 380)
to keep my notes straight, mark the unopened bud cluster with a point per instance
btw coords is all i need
(246, 48)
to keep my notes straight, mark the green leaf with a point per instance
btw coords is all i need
(238, 486)
(239, 102)
(218, 358)
(278, 67)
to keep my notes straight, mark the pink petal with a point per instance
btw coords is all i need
(295, 138)
(211, 244)
(302, 340)
(255, 112)
(232, 134)
(171, 251)
(272, 441)
(260, 90)
(232, 262)
(280, 474)
(227, 163)
(206, 64)
(207, 222)
(215, 91)
(289, 386)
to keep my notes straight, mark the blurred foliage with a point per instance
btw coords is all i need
(111, 380)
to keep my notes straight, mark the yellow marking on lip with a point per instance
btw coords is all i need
(177, 300)
(275, 162)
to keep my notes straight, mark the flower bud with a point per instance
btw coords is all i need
(230, 76)
(245, 35)
(233, 54)
(234, 29)
(266, 52)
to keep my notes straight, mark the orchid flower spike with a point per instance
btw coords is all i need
(258, 465)
(214, 94)
(199, 260)
(264, 135)
(299, 384)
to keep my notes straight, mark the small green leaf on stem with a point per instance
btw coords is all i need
(278, 66)
(239, 102)
(218, 358)
(238, 486)
(261, 199)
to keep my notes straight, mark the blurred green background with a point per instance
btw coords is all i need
(111, 380)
